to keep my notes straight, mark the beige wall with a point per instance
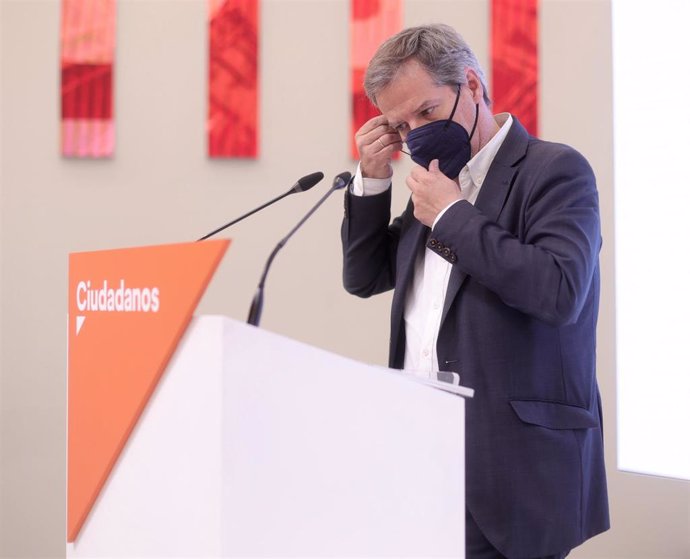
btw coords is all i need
(160, 188)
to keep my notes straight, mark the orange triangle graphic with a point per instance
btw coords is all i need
(138, 303)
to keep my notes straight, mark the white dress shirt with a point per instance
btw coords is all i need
(425, 298)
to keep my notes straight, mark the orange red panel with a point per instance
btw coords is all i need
(233, 112)
(515, 59)
(128, 309)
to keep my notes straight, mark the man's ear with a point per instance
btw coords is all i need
(474, 84)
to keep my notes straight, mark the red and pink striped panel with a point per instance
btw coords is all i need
(88, 48)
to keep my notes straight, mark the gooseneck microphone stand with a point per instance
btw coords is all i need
(340, 181)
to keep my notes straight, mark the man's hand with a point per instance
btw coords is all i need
(432, 191)
(376, 143)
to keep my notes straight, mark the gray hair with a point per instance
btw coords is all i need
(437, 47)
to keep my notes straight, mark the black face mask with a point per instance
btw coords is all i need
(444, 140)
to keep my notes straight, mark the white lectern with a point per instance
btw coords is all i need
(256, 445)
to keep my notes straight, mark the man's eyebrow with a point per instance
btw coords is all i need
(423, 105)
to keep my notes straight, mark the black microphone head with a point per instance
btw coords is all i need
(342, 180)
(305, 183)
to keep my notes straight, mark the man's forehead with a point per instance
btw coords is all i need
(409, 92)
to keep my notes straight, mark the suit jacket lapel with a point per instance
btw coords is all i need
(407, 254)
(409, 245)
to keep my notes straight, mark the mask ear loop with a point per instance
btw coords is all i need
(476, 119)
(455, 106)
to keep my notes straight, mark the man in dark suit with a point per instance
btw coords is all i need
(496, 276)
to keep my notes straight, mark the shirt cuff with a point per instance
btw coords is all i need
(362, 186)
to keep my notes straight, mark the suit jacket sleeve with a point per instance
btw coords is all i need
(542, 261)
(369, 244)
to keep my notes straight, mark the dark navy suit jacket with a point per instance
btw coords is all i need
(519, 326)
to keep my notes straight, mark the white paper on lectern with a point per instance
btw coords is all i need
(256, 445)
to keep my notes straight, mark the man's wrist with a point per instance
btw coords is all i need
(443, 211)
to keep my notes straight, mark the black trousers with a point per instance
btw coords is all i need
(478, 547)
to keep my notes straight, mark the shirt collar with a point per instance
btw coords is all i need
(479, 165)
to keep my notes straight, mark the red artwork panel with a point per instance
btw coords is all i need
(515, 60)
(373, 21)
(87, 56)
(233, 111)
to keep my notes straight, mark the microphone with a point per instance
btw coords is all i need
(303, 184)
(341, 181)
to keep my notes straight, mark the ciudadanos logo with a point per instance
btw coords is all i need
(118, 298)
(137, 303)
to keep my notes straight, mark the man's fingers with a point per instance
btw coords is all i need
(391, 139)
(380, 136)
(372, 124)
(412, 182)
(388, 142)
(418, 173)
(374, 129)
(376, 143)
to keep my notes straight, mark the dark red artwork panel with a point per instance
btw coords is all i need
(233, 112)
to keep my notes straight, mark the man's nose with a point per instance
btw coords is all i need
(414, 123)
